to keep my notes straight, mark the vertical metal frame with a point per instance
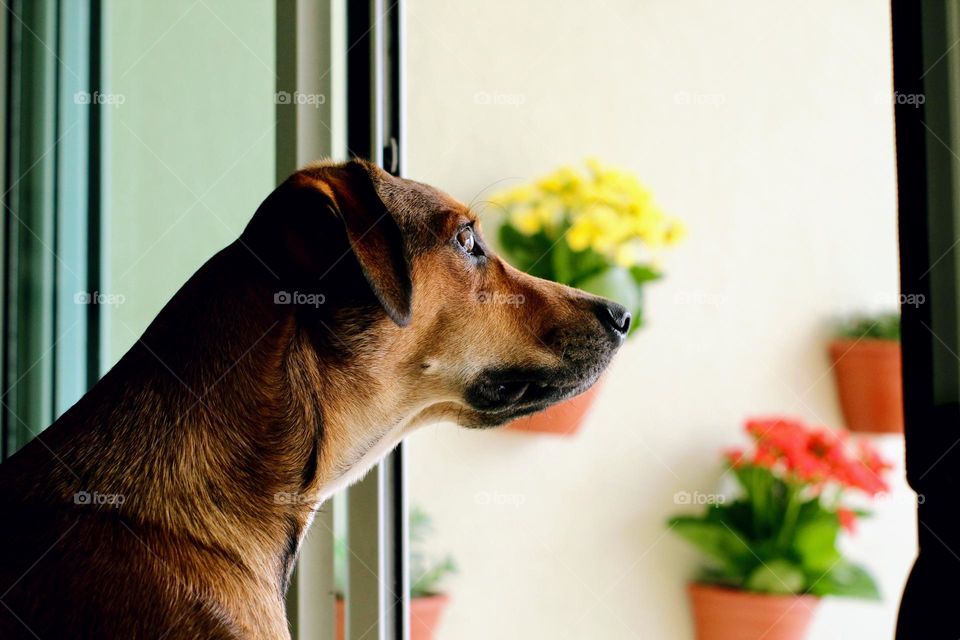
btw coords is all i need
(76, 221)
(378, 582)
(50, 254)
(5, 131)
(927, 64)
(29, 223)
(310, 62)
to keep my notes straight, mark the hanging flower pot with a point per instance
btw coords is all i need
(771, 549)
(425, 613)
(729, 614)
(562, 419)
(866, 366)
(600, 231)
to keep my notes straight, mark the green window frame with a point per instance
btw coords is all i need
(50, 235)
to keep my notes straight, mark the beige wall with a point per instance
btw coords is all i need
(764, 126)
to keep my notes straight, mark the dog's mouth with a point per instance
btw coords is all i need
(504, 394)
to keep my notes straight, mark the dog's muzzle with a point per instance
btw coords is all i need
(504, 393)
(502, 390)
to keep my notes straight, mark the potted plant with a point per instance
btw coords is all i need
(599, 231)
(866, 364)
(427, 573)
(427, 600)
(772, 549)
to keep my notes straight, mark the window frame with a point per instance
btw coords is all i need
(50, 238)
(926, 63)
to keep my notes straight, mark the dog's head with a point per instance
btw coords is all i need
(397, 275)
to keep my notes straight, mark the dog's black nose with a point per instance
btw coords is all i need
(614, 316)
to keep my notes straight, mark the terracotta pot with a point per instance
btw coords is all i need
(562, 419)
(869, 384)
(340, 619)
(425, 613)
(728, 614)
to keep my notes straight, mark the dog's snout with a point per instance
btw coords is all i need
(614, 317)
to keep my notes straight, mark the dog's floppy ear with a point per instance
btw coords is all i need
(372, 231)
(304, 231)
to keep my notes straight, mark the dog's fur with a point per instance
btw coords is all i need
(237, 414)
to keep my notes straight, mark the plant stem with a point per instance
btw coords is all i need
(756, 498)
(790, 514)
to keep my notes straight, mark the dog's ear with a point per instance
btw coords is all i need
(313, 211)
(373, 233)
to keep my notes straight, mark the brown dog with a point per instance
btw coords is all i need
(355, 307)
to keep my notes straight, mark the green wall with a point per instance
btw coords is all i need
(189, 145)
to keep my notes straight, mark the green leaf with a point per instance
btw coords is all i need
(815, 542)
(642, 274)
(562, 260)
(717, 541)
(616, 284)
(586, 264)
(777, 576)
(527, 253)
(738, 515)
(765, 493)
(885, 326)
(848, 580)
(425, 580)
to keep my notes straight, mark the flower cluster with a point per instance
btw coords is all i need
(779, 533)
(606, 210)
(816, 456)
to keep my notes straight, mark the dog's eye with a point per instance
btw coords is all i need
(466, 239)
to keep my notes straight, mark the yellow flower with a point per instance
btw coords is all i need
(676, 232)
(581, 234)
(518, 195)
(610, 228)
(607, 208)
(526, 220)
(654, 236)
(626, 255)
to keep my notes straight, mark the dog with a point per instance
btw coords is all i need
(355, 307)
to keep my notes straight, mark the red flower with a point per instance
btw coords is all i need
(735, 457)
(765, 456)
(814, 455)
(848, 519)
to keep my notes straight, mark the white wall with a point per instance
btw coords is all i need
(764, 126)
